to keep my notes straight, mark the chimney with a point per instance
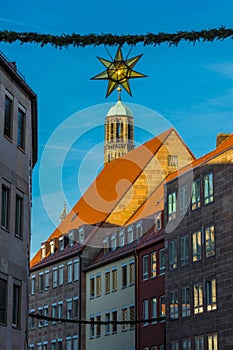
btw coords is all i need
(13, 65)
(220, 138)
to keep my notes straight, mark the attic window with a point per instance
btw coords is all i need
(43, 251)
(61, 243)
(71, 239)
(113, 242)
(139, 229)
(172, 160)
(105, 245)
(121, 238)
(130, 235)
(158, 222)
(52, 247)
(81, 235)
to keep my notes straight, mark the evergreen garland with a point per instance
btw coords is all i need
(78, 40)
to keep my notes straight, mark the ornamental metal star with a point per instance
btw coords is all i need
(119, 72)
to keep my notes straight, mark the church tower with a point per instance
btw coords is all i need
(119, 131)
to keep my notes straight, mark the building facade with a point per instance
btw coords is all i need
(18, 144)
(198, 240)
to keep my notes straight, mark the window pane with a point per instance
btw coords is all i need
(3, 301)
(145, 267)
(153, 265)
(197, 246)
(208, 189)
(209, 241)
(21, 129)
(196, 201)
(18, 215)
(5, 207)
(8, 117)
(16, 306)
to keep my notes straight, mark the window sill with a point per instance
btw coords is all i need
(8, 138)
(21, 149)
(14, 326)
(19, 236)
(5, 229)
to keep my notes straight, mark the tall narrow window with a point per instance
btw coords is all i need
(60, 275)
(162, 306)
(173, 255)
(186, 344)
(76, 270)
(33, 285)
(145, 312)
(69, 309)
(114, 319)
(198, 298)
(18, 216)
(107, 281)
(124, 318)
(54, 312)
(184, 200)
(130, 235)
(211, 295)
(3, 301)
(113, 242)
(92, 327)
(172, 206)
(55, 279)
(107, 325)
(21, 129)
(162, 261)
(174, 345)
(70, 272)
(153, 264)
(121, 239)
(197, 246)
(46, 280)
(212, 341)
(185, 299)
(154, 309)
(98, 326)
(41, 282)
(46, 313)
(131, 273)
(98, 285)
(145, 267)
(5, 219)
(60, 309)
(174, 304)
(40, 313)
(209, 241)
(92, 287)
(124, 276)
(132, 316)
(199, 343)
(114, 279)
(208, 188)
(196, 194)
(75, 307)
(8, 117)
(184, 250)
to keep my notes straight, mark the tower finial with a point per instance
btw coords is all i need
(119, 93)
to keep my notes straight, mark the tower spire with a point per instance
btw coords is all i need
(119, 93)
(63, 212)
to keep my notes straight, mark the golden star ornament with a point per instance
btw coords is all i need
(119, 72)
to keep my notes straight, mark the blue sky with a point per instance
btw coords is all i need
(190, 86)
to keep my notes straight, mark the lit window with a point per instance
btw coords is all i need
(145, 267)
(92, 287)
(55, 279)
(209, 241)
(185, 300)
(76, 270)
(107, 325)
(162, 306)
(172, 160)
(132, 316)
(124, 318)
(21, 129)
(184, 200)
(186, 344)
(212, 341)
(153, 264)
(173, 255)
(196, 194)
(107, 281)
(70, 272)
(114, 279)
(92, 327)
(197, 246)
(198, 298)
(98, 326)
(124, 276)
(98, 285)
(174, 345)
(131, 273)
(162, 261)
(69, 309)
(60, 275)
(184, 250)
(18, 216)
(114, 319)
(154, 309)
(211, 295)
(208, 188)
(145, 312)
(3, 303)
(174, 305)
(199, 343)
(172, 206)
(8, 116)
(5, 219)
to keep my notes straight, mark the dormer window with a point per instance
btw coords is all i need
(105, 245)
(61, 243)
(121, 238)
(130, 234)
(158, 222)
(113, 242)
(52, 247)
(139, 230)
(71, 239)
(81, 235)
(43, 251)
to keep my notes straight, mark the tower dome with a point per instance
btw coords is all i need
(119, 109)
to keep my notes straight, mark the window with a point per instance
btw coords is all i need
(68, 343)
(197, 248)
(209, 241)
(98, 285)
(154, 309)
(69, 309)
(185, 300)
(76, 270)
(81, 235)
(130, 235)
(121, 239)
(98, 326)
(211, 295)
(107, 281)
(114, 279)
(132, 316)
(8, 116)
(145, 312)
(54, 312)
(212, 341)
(174, 345)
(107, 326)
(124, 276)
(196, 198)
(184, 251)
(199, 343)
(3, 300)
(114, 319)
(162, 261)
(92, 327)
(21, 128)
(70, 272)
(186, 344)
(162, 306)
(198, 298)
(46, 280)
(172, 206)
(172, 160)
(31, 319)
(59, 344)
(158, 223)
(61, 243)
(153, 265)
(60, 309)
(71, 239)
(53, 345)
(75, 308)
(138, 230)
(39, 346)
(92, 287)
(33, 285)
(124, 318)
(52, 247)
(60, 275)
(172, 255)
(113, 242)
(131, 273)
(174, 304)
(145, 267)
(5, 207)
(105, 245)
(184, 200)
(208, 189)
(40, 321)
(18, 216)
(75, 342)
(55, 281)
(46, 313)
(41, 282)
